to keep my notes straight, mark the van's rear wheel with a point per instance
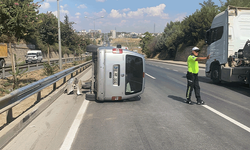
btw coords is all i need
(215, 74)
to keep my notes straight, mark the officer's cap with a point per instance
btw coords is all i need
(196, 49)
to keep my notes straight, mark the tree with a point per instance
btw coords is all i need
(237, 3)
(16, 19)
(48, 30)
(144, 43)
(68, 36)
(174, 35)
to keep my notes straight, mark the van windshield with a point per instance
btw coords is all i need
(134, 74)
(32, 54)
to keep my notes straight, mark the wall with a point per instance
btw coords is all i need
(182, 55)
(21, 50)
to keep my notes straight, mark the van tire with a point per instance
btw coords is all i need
(216, 74)
(90, 97)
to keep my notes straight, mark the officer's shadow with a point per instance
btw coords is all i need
(180, 99)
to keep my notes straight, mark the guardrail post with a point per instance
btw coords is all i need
(72, 75)
(28, 67)
(54, 86)
(9, 116)
(37, 64)
(38, 97)
(64, 80)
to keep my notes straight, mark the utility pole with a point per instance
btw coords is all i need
(154, 28)
(59, 36)
(94, 22)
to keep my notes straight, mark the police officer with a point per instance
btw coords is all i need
(192, 76)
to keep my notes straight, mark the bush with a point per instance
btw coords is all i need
(75, 63)
(88, 58)
(50, 69)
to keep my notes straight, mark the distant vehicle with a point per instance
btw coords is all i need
(3, 54)
(34, 56)
(229, 45)
(118, 73)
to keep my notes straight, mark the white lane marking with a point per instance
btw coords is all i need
(228, 118)
(223, 115)
(176, 70)
(150, 76)
(74, 127)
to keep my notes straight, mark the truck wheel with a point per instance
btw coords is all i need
(248, 78)
(215, 74)
(1, 64)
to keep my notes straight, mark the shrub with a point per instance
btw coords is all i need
(50, 69)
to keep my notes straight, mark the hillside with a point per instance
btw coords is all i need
(131, 43)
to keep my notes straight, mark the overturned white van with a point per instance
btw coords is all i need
(118, 73)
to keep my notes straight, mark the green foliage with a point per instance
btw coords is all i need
(48, 29)
(5, 84)
(19, 73)
(144, 43)
(190, 31)
(4, 91)
(50, 69)
(17, 18)
(75, 63)
(238, 3)
(88, 58)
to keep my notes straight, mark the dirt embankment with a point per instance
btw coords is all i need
(181, 54)
(131, 43)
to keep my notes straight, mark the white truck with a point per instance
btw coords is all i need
(228, 42)
(34, 56)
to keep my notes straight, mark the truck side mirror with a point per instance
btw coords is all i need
(207, 37)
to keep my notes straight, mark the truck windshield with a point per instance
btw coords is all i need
(134, 74)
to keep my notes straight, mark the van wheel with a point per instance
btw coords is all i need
(215, 74)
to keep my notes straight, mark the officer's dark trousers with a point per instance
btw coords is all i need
(193, 83)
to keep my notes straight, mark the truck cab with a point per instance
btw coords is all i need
(229, 46)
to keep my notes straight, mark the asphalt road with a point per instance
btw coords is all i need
(158, 120)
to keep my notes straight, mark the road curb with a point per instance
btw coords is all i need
(15, 127)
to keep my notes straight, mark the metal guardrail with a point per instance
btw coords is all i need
(8, 68)
(9, 101)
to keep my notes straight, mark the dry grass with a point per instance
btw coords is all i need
(131, 43)
(28, 103)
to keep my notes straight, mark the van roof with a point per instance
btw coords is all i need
(34, 51)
